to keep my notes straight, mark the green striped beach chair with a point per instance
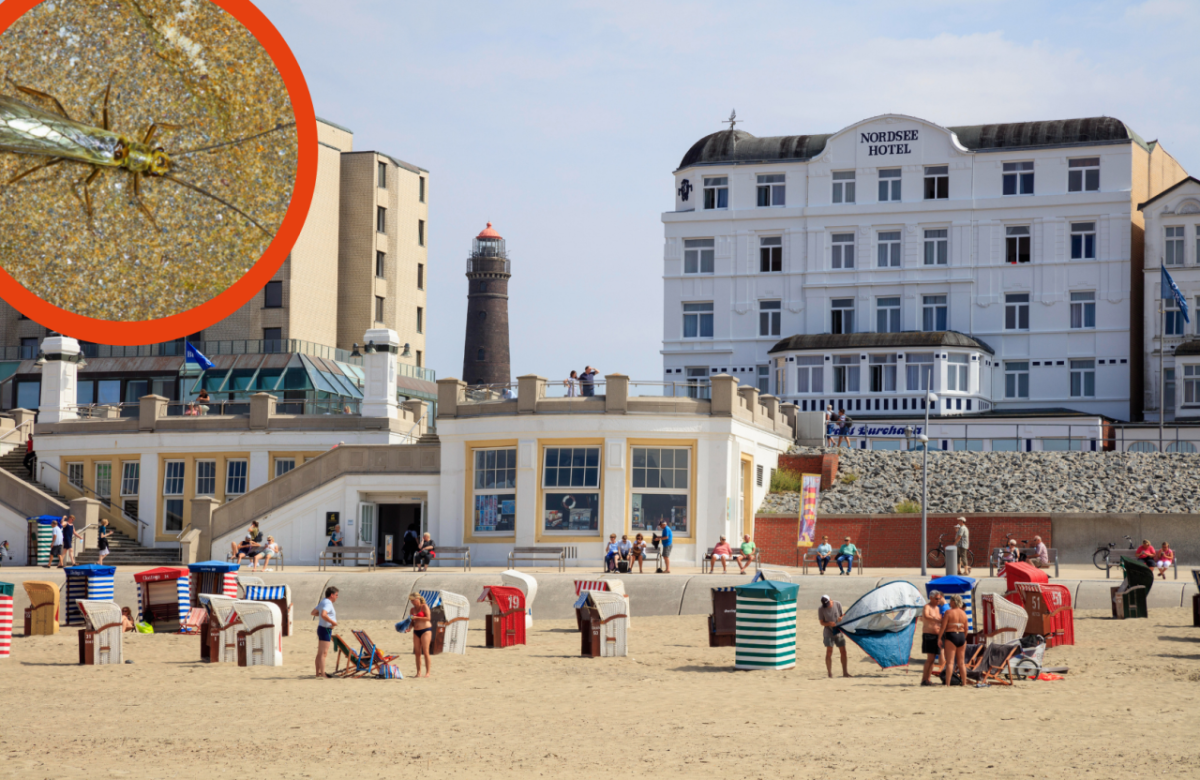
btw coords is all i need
(766, 625)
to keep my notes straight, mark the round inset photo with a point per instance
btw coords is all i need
(149, 154)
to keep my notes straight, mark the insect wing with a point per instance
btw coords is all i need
(28, 130)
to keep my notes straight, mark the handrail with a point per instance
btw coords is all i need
(75, 541)
(17, 428)
(185, 529)
(107, 500)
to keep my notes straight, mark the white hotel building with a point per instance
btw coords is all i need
(1004, 261)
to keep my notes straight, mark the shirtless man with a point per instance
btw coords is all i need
(931, 627)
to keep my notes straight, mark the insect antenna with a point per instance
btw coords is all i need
(234, 143)
(222, 201)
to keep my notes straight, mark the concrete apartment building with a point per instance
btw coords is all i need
(349, 272)
(1024, 240)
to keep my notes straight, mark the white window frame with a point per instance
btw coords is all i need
(1017, 176)
(1083, 378)
(698, 383)
(781, 375)
(842, 250)
(279, 462)
(883, 372)
(700, 316)
(1173, 237)
(499, 485)
(716, 191)
(572, 489)
(1016, 379)
(171, 480)
(103, 485)
(843, 187)
(763, 376)
(211, 467)
(887, 317)
(937, 246)
(131, 477)
(918, 374)
(1016, 239)
(1019, 310)
(1080, 176)
(75, 475)
(699, 255)
(1191, 385)
(1083, 240)
(1083, 310)
(889, 185)
(1173, 325)
(847, 374)
(772, 187)
(810, 374)
(645, 454)
(937, 182)
(888, 248)
(931, 307)
(770, 254)
(770, 317)
(958, 373)
(232, 479)
(839, 322)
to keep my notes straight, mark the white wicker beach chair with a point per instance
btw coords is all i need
(281, 595)
(222, 612)
(103, 618)
(1003, 621)
(527, 585)
(245, 580)
(262, 634)
(614, 614)
(776, 575)
(458, 613)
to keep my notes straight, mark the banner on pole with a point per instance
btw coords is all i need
(810, 494)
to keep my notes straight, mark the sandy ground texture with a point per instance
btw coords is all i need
(184, 62)
(673, 708)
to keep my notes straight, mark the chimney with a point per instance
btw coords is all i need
(379, 364)
(59, 376)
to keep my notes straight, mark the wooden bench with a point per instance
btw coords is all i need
(810, 556)
(357, 554)
(450, 554)
(995, 561)
(537, 554)
(708, 565)
(231, 558)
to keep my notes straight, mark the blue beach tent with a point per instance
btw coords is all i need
(883, 621)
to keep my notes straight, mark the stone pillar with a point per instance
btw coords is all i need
(202, 512)
(531, 388)
(262, 408)
(616, 393)
(150, 409)
(416, 408)
(750, 394)
(22, 416)
(450, 393)
(59, 379)
(87, 512)
(724, 395)
(379, 398)
(772, 404)
(790, 412)
(189, 548)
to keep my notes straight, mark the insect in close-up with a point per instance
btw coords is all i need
(25, 129)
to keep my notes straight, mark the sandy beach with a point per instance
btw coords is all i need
(674, 707)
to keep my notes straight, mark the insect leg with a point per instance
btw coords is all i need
(44, 96)
(87, 196)
(137, 195)
(154, 128)
(107, 90)
(35, 168)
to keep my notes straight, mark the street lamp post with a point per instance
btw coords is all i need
(930, 400)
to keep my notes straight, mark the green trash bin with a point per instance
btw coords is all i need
(1129, 600)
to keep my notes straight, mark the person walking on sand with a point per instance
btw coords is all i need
(931, 627)
(829, 613)
(326, 622)
(422, 630)
(962, 539)
(953, 635)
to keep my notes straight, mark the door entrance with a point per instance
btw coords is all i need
(392, 547)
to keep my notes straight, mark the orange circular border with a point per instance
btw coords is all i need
(240, 292)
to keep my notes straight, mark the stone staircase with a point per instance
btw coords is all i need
(123, 551)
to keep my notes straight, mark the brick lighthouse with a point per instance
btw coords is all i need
(485, 352)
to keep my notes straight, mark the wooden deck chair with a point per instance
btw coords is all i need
(994, 664)
(354, 663)
(372, 657)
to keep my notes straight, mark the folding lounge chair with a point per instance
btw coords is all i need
(971, 655)
(355, 666)
(994, 664)
(372, 657)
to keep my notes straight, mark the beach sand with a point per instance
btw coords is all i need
(673, 708)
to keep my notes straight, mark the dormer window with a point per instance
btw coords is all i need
(716, 192)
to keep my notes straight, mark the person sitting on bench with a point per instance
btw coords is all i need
(749, 553)
(1041, 558)
(624, 552)
(611, 551)
(639, 552)
(723, 553)
(426, 552)
(251, 546)
(846, 555)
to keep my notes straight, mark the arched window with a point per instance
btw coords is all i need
(479, 355)
(482, 314)
(1181, 446)
(1142, 446)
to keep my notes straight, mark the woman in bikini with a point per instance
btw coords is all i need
(422, 630)
(954, 638)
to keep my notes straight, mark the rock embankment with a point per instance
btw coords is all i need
(1007, 482)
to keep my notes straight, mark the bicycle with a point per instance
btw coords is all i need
(937, 556)
(1101, 558)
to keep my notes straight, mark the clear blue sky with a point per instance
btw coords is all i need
(561, 122)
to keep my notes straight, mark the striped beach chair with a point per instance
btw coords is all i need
(216, 577)
(604, 585)
(527, 585)
(766, 625)
(222, 630)
(91, 582)
(260, 642)
(164, 598)
(279, 595)
(245, 580)
(6, 614)
(100, 639)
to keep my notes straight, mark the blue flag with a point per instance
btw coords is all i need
(196, 356)
(1170, 290)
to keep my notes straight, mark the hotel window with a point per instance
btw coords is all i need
(919, 368)
(887, 315)
(495, 491)
(698, 320)
(698, 385)
(284, 465)
(660, 482)
(272, 339)
(769, 315)
(29, 350)
(1174, 246)
(1083, 310)
(889, 249)
(780, 376)
(173, 486)
(1016, 244)
(1018, 178)
(1083, 378)
(842, 315)
(957, 377)
(383, 174)
(206, 477)
(845, 373)
(104, 480)
(1191, 385)
(883, 373)
(131, 478)
(380, 264)
(810, 374)
(420, 319)
(571, 481)
(421, 189)
(1169, 392)
(1083, 240)
(1016, 311)
(934, 312)
(1083, 175)
(889, 184)
(420, 232)
(380, 219)
(770, 254)
(764, 379)
(420, 276)
(937, 182)
(1174, 319)
(937, 247)
(771, 190)
(716, 192)
(273, 295)
(698, 255)
(378, 308)
(235, 479)
(843, 186)
(843, 250)
(1016, 379)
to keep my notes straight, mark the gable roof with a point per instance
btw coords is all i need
(1168, 191)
